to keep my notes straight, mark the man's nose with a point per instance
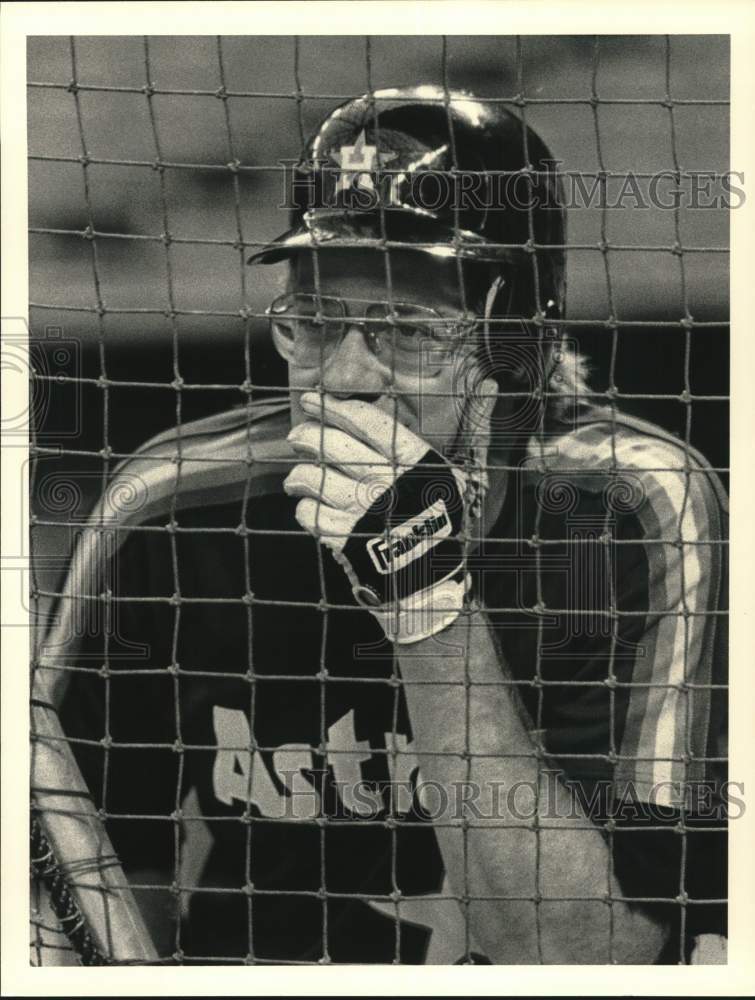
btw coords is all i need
(352, 369)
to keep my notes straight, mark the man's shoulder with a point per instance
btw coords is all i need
(190, 492)
(631, 467)
(203, 473)
(240, 453)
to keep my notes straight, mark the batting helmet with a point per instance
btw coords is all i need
(438, 172)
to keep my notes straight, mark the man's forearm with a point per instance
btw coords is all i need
(544, 858)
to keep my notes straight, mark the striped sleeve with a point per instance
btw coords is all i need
(671, 728)
(667, 727)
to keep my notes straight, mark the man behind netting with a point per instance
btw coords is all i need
(446, 695)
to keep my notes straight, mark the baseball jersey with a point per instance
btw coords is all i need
(260, 751)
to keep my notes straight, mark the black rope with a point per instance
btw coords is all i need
(45, 867)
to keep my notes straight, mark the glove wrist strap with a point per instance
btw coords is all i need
(425, 613)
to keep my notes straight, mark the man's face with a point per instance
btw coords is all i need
(427, 395)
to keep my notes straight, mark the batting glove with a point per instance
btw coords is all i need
(389, 507)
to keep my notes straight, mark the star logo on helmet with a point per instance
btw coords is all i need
(358, 163)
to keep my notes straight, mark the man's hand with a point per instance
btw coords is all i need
(391, 508)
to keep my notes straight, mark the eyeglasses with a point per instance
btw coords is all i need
(405, 337)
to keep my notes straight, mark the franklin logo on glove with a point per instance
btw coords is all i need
(394, 553)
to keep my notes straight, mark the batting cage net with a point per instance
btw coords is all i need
(230, 762)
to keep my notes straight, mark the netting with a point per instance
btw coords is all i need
(157, 166)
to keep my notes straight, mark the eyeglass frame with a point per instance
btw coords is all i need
(465, 322)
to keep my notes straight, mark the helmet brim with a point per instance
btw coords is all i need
(393, 229)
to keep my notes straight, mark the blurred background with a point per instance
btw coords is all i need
(287, 85)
